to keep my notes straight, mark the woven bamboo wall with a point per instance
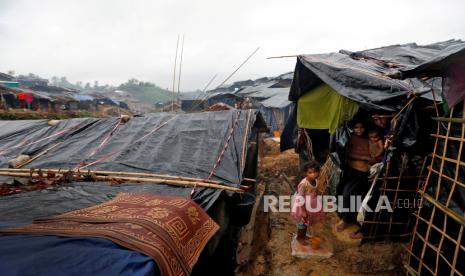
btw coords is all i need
(438, 245)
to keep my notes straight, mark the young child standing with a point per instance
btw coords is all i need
(307, 208)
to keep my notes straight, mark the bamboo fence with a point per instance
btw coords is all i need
(437, 245)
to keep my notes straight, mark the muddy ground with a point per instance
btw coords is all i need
(264, 248)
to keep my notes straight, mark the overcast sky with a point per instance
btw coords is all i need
(114, 40)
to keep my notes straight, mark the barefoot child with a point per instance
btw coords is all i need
(306, 209)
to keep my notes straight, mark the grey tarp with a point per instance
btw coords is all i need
(271, 101)
(372, 78)
(276, 111)
(181, 144)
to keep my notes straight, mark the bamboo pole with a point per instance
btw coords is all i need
(246, 139)
(450, 138)
(174, 75)
(180, 67)
(232, 74)
(119, 173)
(449, 120)
(398, 190)
(402, 177)
(290, 56)
(444, 209)
(201, 96)
(182, 183)
(39, 155)
(410, 270)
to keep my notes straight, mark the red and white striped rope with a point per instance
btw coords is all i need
(225, 147)
(104, 141)
(107, 156)
(24, 144)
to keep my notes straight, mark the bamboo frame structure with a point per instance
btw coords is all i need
(104, 173)
(438, 244)
(393, 184)
(97, 176)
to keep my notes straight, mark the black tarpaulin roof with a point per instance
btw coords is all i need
(181, 145)
(437, 66)
(380, 78)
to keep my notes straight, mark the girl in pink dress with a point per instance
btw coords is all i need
(307, 208)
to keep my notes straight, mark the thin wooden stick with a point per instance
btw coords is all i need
(456, 253)
(201, 95)
(232, 74)
(398, 190)
(239, 67)
(38, 155)
(174, 74)
(450, 138)
(444, 209)
(410, 270)
(283, 56)
(180, 67)
(449, 120)
(120, 173)
(384, 222)
(246, 139)
(138, 180)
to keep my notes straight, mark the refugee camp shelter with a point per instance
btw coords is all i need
(31, 80)
(364, 83)
(6, 77)
(213, 146)
(188, 99)
(16, 97)
(271, 98)
(193, 102)
(269, 95)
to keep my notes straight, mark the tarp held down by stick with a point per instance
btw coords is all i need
(172, 144)
(378, 78)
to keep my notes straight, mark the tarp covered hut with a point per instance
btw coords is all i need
(271, 98)
(196, 102)
(25, 98)
(218, 146)
(386, 79)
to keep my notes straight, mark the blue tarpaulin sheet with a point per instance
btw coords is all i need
(53, 255)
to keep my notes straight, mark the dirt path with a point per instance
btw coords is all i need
(265, 248)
